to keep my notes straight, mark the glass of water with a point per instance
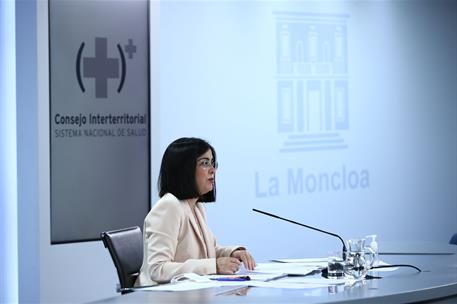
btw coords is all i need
(335, 265)
(359, 259)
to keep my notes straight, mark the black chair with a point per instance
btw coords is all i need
(453, 240)
(126, 249)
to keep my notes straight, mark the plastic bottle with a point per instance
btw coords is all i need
(374, 246)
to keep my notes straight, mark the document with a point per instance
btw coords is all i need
(304, 260)
(286, 268)
(381, 263)
(285, 285)
(189, 285)
(319, 262)
(190, 276)
(249, 276)
(289, 274)
(315, 280)
(182, 286)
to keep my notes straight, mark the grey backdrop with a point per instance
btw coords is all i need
(99, 117)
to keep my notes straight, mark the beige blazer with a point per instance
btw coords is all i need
(175, 244)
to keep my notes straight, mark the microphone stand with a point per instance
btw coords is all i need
(307, 226)
(336, 235)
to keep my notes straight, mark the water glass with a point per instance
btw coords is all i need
(359, 259)
(335, 265)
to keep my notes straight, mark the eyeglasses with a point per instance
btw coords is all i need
(207, 163)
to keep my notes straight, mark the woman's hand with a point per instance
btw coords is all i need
(227, 265)
(245, 257)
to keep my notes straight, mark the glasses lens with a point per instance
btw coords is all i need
(206, 163)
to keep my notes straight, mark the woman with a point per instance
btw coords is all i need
(176, 237)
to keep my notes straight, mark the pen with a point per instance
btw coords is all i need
(232, 279)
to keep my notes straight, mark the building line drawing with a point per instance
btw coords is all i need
(312, 80)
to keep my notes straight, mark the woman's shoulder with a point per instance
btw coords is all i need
(166, 211)
(168, 202)
(168, 198)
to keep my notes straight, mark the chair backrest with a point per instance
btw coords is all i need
(453, 239)
(126, 249)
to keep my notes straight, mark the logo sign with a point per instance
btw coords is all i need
(312, 81)
(101, 68)
(99, 117)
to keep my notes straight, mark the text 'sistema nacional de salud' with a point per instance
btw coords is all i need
(100, 125)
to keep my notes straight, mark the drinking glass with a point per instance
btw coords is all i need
(359, 259)
(335, 265)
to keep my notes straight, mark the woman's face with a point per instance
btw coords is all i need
(205, 172)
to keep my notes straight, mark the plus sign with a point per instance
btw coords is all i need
(130, 48)
(101, 68)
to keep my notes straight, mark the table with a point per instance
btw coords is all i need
(437, 283)
(417, 248)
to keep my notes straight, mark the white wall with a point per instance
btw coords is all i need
(218, 80)
(8, 156)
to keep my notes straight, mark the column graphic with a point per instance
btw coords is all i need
(285, 107)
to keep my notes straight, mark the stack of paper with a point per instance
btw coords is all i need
(290, 273)
(249, 276)
(319, 262)
(286, 268)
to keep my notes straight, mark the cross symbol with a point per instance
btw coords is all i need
(130, 48)
(101, 68)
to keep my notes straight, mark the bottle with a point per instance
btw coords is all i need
(373, 244)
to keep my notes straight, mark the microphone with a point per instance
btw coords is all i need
(307, 226)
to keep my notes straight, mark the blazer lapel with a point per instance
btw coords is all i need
(196, 228)
(207, 236)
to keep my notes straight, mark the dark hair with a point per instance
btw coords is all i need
(177, 171)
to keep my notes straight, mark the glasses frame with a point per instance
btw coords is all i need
(207, 163)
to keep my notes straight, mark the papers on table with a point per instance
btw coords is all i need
(191, 277)
(252, 276)
(381, 263)
(289, 273)
(316, 280)
(293, 266)
(310, 262)
(188, 285)
(264, 275)
(285, 285)
(286, 268)
(181, 286)
(313, 261)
